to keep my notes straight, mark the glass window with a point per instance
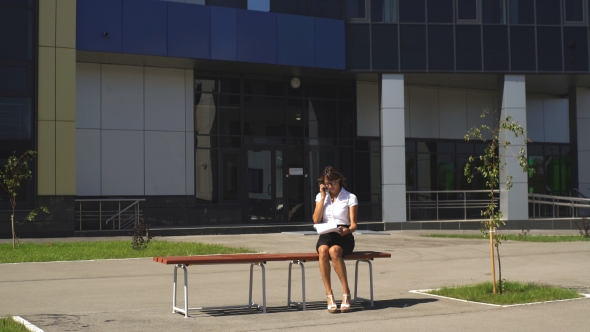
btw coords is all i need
(468, 47)
(321, 89)
(264, 116)
(495, 46)
(358, 43)
(575, 44)
(15, 118)
(440, 11)
(522, 48)
(13, 78)
(205, 114)
(27, 3)
(548, 12)
(356, 9)
(441, 50)
(384, 47)
(346, 119)
(264, 88)
(296, 115)
(467, 10)
(445, 165)
(229, 176)
(16, 33)
(326, 9)
(549, 48)
(413, 47)
(384, 11)
(229, 85)
(494, 11)
(522, 11)
(574, 11)
(322, 119)
(206, 172)
(294, 7)
(259, 5)
(411, 11)
(227, 3)
(205, 85)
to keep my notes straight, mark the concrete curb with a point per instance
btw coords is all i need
(27, 324)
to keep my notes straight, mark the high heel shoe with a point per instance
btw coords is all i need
(332, 308)
(345, 307)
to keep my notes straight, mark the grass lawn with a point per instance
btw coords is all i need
(514, 293)
(71, 251)
(513, 237)
(7, 324)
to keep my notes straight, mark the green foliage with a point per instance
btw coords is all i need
(115, 249)
(513, 293)
(7, 324)
(586, 225)
(15, 172)
(140, 237)
(517, 237)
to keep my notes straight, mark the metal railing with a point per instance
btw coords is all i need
(108, 214)
(447, 204)
(558, 207)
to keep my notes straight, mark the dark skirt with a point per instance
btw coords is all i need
(334, 239)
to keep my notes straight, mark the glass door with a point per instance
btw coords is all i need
(264, 185)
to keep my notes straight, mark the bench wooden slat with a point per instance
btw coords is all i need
(254, 258)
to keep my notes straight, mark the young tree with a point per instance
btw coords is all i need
(14, 173)
(489, 166)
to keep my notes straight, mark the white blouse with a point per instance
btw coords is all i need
(337, 212)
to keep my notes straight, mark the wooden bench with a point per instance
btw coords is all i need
(260, 260)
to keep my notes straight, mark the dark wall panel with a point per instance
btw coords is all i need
(358, 42)
(468, 47)
(144, 27)
(94, 18)
(189, 31)
(495, 47)
(224, 40)
(296, 42)
(521, 11)
(440, 11)
(549, 48)
(412, 11)
(522, 48)
(257, 36)
(384, 47)
(575, 48)
(329, 43)
(441, 47)
(413, 47)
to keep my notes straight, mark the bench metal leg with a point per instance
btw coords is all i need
(185, 310)
(289, 302)
(356, 280)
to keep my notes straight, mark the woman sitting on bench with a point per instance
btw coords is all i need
(337, 206)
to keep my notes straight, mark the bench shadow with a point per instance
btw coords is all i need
(312, 306)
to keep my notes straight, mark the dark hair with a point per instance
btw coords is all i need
(332, 174)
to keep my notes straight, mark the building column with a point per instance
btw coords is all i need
(393, 148)
(513, 202)
(583, 139)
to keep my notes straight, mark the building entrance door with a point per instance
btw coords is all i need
(264, 185)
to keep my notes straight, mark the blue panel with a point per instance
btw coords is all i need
(257, 37)
(189, 30)
(295, 40)
(329, 43)
(224, 34)
(144, 27)
(99, 25)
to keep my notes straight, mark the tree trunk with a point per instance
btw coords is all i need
(492, 257)
(13, 234)
(499, 269)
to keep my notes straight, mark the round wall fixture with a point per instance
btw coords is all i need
(295, 82)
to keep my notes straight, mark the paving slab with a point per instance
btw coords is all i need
(135, 294)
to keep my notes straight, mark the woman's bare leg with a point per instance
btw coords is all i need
(339, 267)
(324, 264)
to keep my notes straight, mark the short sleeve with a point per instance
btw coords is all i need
(318, 197)
(352, 200)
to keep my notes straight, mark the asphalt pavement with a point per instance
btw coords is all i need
(136, 294)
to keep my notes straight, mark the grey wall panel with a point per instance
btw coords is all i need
(453, 113)
(190, 163)
(534, 118)
(122, 97)
(407, 115)
(88, 162)
(165, 100)
(165, 163)
(367, 108)
(189, 88)
(477, 102)
(122, 162)
(556, 119)
(424, 119)
(87, 95)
